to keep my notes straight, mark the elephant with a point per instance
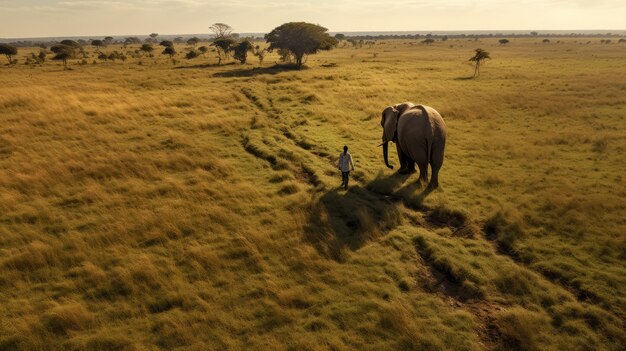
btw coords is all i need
(419, 133)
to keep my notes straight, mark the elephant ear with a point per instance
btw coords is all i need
(390, 123)
(402, 108)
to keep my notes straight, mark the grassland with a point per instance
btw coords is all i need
(196, 207)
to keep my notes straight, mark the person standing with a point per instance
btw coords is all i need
(344, 165)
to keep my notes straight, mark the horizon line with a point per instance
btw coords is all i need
(498, 31)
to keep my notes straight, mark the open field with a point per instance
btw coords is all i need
(196, 207)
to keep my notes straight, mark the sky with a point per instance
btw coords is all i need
(55, 18)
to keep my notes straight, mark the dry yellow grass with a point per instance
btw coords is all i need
(161, 206)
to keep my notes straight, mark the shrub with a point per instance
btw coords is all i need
(191, 54)
(146, 48)
(240, 51)
(8, 51)
(223, 46)
(169, 50)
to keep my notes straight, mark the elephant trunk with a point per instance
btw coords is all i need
(385, 154)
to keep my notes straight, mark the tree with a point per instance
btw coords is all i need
(223, 46)
(203, 49)
(63, 53)
(428, 41)
(240, 51)
(98, 43)
(108, 39)
(166, 43)
(301, 39)
(9, 51)
(193, 41)
(480, 56)
(169, 50)
(221, 30)
(147, 48)
(154, 35)
(534, 34)
(131, 40)
(259, 53)
(69, 42)
(179, 40)
(503, 41)
(546, 41)
(340, 36)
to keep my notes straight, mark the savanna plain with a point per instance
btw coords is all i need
(195, 206)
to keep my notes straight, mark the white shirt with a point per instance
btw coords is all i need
(345, 161)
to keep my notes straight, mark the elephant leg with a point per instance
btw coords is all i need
(423, 167)
(402, 157)
(410, 165)
(436, 161)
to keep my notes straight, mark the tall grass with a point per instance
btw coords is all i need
(196, 206)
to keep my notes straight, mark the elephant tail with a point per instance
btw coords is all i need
(429, 145)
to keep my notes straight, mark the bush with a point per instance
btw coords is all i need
(240, 51)
(9, 51)
(170, 51)
(191, 54)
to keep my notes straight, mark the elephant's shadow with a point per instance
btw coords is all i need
(342, 221)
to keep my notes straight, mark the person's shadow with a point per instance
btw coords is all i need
(345, 220)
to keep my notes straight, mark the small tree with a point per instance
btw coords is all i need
(146, 48)
(191, 54)
(428, 41)
(131, 40)
(503, 41)
(42, 56)
(108, 40)
(166, 43)
(546, 41)
(259, 53)
(9, 51)
(221, 30)
(63, 53)
(340, 36)
(203, 49)
(479, 56)
(169, 50)
(154, 35)
(240, 51)
(301, 39)
(534, 34)
(193, 41)
(98, 44)
(223, 46)
(71, 43)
